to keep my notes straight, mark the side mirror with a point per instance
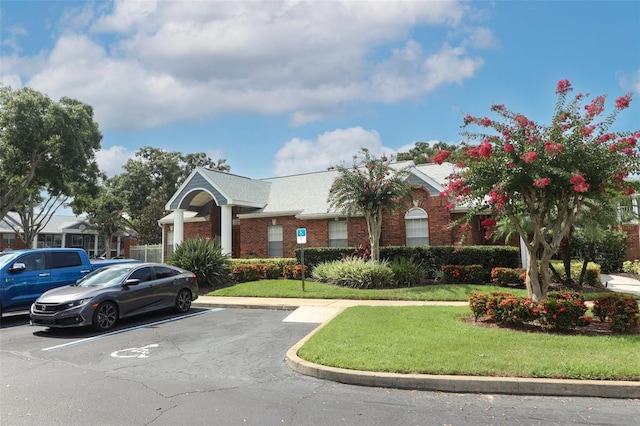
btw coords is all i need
(18, 267)
(131, 281)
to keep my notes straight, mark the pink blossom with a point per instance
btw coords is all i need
(579, 183)
(553, 149)
(563, 87)
(441, 156)
(509, 148)
(529, 157)
(449, 206)
(606, 137)
(587, 130)
(595, 107)
(485, 122)
(542, 182)
(484, 150)
(629, 191)
(623, 101)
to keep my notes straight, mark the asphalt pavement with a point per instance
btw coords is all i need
(321, 311)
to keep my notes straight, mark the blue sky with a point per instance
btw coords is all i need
(280, 88)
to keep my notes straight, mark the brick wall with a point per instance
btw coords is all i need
(633, 241)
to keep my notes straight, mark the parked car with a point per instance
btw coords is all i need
(109, 294)
(26, 274)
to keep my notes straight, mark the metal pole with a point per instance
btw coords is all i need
(302, 260)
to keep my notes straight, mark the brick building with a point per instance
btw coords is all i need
(259, 218)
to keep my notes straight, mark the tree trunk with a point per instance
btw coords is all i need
(532, 278)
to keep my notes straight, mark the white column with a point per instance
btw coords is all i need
(524, 254)
(225, 229)
(178, 227)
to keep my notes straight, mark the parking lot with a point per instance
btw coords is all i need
(226, 366)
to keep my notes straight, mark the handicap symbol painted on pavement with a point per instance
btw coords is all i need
(142, 352)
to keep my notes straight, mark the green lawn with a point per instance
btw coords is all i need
(434, 340)
(315, 290)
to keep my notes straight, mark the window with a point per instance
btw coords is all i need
(8, 239)
(65, 259)
(417, 226)
(76, 241)
(33, 261)
(338, 233)
(164, 272)
(276, 245)
(142, 274)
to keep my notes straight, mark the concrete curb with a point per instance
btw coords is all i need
(443, 383)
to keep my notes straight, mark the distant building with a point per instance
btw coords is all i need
(62, 231)
(259, 217)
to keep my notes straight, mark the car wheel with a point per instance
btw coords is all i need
(183, 301)
(105, 316)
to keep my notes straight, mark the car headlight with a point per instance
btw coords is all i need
(78, 303)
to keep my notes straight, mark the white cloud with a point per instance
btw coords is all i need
(141, 64)
(630, 82)
(328, 149)
(112, 159)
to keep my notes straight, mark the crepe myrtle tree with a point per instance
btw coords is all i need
(371, 186)
(544, 174)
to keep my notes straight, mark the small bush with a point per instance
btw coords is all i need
(515, 310)
(294, 271)
(478, 303)
(591, 276)
(271, 271)
(620, 311)
(508, 277)
(243, 272)
(355, 273)
(631, 267)
(407, 273)
(205, 259)
(562, 310)
(462, 274)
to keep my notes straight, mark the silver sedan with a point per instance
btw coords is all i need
(104, 296)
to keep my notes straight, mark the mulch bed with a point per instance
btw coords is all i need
(596, 328)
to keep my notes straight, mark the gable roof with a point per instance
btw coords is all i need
(304, 195)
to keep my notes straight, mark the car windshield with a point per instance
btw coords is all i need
(105, 277)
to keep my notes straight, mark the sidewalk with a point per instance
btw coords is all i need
(321, 311)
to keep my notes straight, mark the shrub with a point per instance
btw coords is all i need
(243, 272)
(591, 276)
(508, 277)
(205, 259)
(294, 271)
(478, 303)
(271, 271)
(515, 310)
(561, 310)
(462, 274)
(631, 267)
(407, 272)
(355, 273)
(620, 311)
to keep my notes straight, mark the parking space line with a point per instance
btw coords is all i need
(124, 330)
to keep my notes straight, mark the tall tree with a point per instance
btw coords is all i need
(371, 187)
(44, 145)
(548, 174)
(34, 214)
(150, 180)
(424, 152)
(105, 214)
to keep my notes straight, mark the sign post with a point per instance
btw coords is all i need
(301, 236)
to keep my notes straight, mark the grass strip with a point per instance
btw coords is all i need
(434, 340)
(315, 290)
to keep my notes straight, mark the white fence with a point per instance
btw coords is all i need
(147, 253)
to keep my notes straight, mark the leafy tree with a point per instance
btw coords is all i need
(370, 187)
(548, 174)
(104, 214)
(44, 145)
(423, 152)
(150, 180)
(34, 213)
